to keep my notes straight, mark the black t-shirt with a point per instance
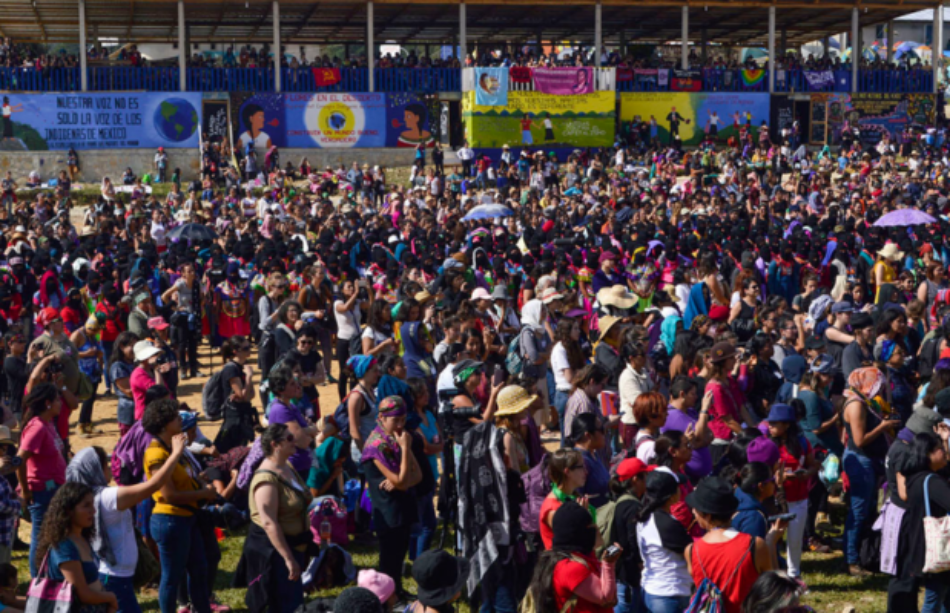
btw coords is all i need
(391, 510)
(230, 371)
(17, 373)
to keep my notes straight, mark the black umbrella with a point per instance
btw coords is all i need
(194, 232)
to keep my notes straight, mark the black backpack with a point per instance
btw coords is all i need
(929, 355)
(213, 397)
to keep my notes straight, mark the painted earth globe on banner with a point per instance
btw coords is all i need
(176, 119)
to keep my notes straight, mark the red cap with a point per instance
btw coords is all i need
(719, 313)
(157, 323)
(48, 314)
(631, 467)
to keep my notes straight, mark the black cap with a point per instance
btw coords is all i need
(814, 342)
(942, 402)
(357, 600)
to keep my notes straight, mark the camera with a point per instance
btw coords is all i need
(162, 359)
(54, 368)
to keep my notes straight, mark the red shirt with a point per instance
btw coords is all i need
(730, 565)
(569, 574)
(795, 489)
(46, 463)
(550, 505)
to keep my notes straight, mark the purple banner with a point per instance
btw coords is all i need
(819, 79)
(567, 81)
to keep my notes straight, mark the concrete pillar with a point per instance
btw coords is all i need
(704, 51)
(937, 46)
(890, 41)
(826, 44)
(463, 44)
(182, 48)
(598, 34)
(684, 45)
(370, 46)
(855, 48)
(783, 44)
(83, 77)
(623, 44)
(277, 52)
(772, 63)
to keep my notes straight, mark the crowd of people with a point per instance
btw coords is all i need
(646, 386)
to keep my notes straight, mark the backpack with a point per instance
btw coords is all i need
(515, 360)
(537, 486)
(213, 398)
(341, 416)
(928, 356)
(708, 597)
(605, 519)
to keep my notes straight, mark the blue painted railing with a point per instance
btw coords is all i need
(421, 80)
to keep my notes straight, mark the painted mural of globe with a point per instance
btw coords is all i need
(176, 119)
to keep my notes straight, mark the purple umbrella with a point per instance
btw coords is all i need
(905, 217)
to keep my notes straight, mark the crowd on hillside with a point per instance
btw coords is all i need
(635, 379)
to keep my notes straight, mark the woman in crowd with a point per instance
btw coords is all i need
(377, 338)
(649, 411)
(114, 528)
(65, 547)
(285, 334)
(627, 488)
(287, 388)
(91, 365)
(566, 360)
(728, 410)
(391, 471)
(347, 311)
(667, 584)
(362, 404)
(174, 523)
(42, 470)
(439, 578)
(275, 549)
(587, 436)
(568, 473)
(120, 371)
(588, 384)
(634, 381)
(863, 456)
(186, 319)
(732, 560)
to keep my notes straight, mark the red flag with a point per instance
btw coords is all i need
(326, 76)
(520, 74)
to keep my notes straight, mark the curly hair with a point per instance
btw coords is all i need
(59, 517)
(159, 414)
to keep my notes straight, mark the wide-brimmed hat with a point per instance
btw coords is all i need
(550, 294)
(144, 350)
(891, 252)
(714, 496)
(439, 576)
(513, 399)
(499, 293)
(606, 323)
(921, 420)
(616, 296)
(781, 413)
(721, 352)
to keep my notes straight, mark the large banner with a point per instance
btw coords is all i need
(693, 117)
(39, 122)
(569, 81)
(331, 121)
(534, 118)
(876, 114)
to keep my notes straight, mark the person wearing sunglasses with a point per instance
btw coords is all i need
(568, 474)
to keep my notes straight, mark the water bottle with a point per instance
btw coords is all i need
(325, 529)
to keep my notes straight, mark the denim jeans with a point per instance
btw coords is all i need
(936, 592)
(181, 549)
(38, 509)
(860, 471)
(420, 538)
(502, 599)
(665, 604)
(124, 592)
(107, 357)
(629, 599)
(560, 405)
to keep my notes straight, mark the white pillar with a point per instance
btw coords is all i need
(463, 43)
(83, 77)
(855, 48)
(277, 52)
(890, 41)
(937, 46)
(182, 48)
(370, 47)
(772, 63)
(598, 34)
(684, 50)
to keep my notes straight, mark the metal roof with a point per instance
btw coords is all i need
(738, 22)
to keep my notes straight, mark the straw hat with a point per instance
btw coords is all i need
(890, 252)
(513, 399)
(606, 323)
(616, 296)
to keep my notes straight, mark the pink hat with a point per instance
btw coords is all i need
(157, 323)
(378, 583)
(481, 293)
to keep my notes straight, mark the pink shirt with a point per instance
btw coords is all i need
(46, 463)
(140, 381)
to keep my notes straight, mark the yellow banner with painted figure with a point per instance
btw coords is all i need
(534, 118)
(694, 117)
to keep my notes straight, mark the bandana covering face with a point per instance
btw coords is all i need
(864, 382)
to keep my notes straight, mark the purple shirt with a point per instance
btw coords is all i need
(280, 413)
(700, 465)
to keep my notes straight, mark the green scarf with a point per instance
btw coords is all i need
(562, 498)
